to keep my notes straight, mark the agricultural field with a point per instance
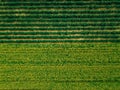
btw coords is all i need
(59, 21)
(66, 66)
(60, 44)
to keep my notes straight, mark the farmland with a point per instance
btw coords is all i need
(59, 21)
(83, 66)
(60, 44)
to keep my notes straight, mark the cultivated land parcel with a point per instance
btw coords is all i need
(60, 44)
(82, 66)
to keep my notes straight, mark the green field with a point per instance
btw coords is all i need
(31, 21)
(60, 44)
(62, 66)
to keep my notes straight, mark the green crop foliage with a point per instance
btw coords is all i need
(99, 19)
(60, 44)
(60, 66)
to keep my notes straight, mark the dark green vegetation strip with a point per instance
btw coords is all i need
(60, 66)
(81, 21)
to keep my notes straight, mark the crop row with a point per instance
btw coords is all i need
(59, 16)
(58, 33)
(63, 2)
(57, 28)
(60, 3)
(85, 24)
(59, 11)
(76, 13)
(72, 15)
(45, 41)
(63, 23)
(95, 19)
(60, 6)
(57, 37)
(59, 21)
(58, 0)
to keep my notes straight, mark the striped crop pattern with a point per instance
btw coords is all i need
(34, 21)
